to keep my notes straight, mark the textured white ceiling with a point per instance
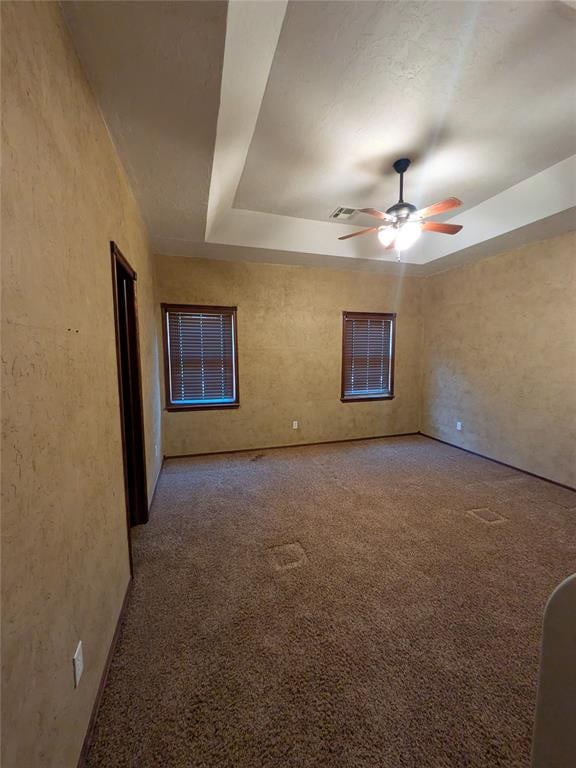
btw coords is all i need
(243, 125)
(480, 94)
(156, 69)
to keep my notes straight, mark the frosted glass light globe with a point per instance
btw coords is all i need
(386, 235)
(408, 234)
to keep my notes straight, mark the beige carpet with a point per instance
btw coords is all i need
(375, 604)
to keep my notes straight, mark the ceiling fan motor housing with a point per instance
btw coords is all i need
(402, 210)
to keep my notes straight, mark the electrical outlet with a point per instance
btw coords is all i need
(459, 426)
(294, 425)
(78, 662)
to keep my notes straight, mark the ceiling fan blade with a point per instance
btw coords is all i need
(376, 213)
(360, 232)
(438, 226)
(436, 208)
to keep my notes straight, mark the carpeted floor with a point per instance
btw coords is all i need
(371, 604)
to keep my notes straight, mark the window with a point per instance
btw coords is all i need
(200, 357)
(367, 356)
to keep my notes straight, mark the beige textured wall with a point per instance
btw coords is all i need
(65, 564)
(499, 354)
(289, 346)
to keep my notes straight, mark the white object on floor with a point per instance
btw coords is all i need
(78, 661)
(554, 741)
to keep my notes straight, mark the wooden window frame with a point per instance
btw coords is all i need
(197, 308)
(368, 316)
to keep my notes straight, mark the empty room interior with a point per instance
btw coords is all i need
(288, 384)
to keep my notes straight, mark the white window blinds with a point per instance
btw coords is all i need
(201, 356)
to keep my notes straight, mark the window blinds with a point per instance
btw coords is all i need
(367, 364)
(201, 355)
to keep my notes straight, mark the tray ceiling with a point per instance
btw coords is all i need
(243, 126)
(478, 94)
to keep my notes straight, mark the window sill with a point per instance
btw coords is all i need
(366, 398)
(202, 407)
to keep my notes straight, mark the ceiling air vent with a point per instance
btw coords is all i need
(341, 214)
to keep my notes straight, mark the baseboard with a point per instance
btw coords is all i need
(290, 445)
(496, 461)
(369, 437)
(96, 706)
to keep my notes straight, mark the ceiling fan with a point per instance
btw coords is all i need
(403, 222)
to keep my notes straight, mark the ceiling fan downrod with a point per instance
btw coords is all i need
(401, 210)
(401, 166)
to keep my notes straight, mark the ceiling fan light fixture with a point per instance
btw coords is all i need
(408, 234)
(404, 222)
(386, 235)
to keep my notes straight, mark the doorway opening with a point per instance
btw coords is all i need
(130, 391)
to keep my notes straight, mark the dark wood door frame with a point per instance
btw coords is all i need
(129, 391)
